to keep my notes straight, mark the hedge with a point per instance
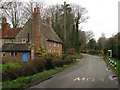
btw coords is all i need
(35, 66)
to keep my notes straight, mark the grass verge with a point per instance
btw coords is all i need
(25, 82)
(79, 56)
(117, 71)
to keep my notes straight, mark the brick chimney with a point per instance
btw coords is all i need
(4, 23)
(36, 28)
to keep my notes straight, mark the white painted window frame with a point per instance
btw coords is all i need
(54, 44)
(49, 43)
(3, 55)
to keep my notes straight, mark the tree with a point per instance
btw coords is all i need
(83, 40)
(102, 41)
(92, 44)
(18, 13)
(89, 36)
(13, 13)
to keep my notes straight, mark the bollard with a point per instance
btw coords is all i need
(113, 63)
(109, 60)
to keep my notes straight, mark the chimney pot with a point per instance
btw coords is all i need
(34, 9)
(5, 20)
(37, 9)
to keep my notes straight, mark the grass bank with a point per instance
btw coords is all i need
(117, 71)
(79, 56)
(25, 82)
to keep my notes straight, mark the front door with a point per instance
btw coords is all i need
(25, 56)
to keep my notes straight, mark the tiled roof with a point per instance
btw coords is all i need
(10, 33)
(49, 33)
(16, 47)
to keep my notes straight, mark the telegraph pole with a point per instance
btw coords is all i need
(64, 21)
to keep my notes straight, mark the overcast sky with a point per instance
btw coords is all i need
(103, 15)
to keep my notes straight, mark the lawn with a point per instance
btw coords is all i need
(79, 56)
(13, 64)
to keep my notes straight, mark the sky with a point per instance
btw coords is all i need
(103, 15)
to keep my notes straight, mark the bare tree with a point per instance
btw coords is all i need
(19, 12)
(13, 13)
(81, 11)
(89, 35)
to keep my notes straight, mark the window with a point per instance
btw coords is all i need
(58, 45)
(15, 53)
(49, 43)
(24, 40)
(49, 50)
(54, 44)
(4, 55)
(12, 53)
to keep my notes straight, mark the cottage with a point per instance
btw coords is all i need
(21, 43)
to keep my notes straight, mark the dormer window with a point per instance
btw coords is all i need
(24, 40)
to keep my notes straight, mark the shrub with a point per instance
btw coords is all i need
(63, 56)
(69, 51)
(39, 64)
(10, 74)
(58, 62)
(93, 52)
(49, 63)
(28, 69)
(69, 59)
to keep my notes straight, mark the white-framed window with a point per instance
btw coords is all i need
(4, 54)
(13, 53)
(54, 44)
(49, 43)
(24, 40)
(58, 45)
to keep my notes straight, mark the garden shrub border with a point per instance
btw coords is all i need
(25, 82)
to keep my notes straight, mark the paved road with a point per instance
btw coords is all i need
(89, 72)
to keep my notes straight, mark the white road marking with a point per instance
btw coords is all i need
(77, 79)
(87, 79)
(83, 79)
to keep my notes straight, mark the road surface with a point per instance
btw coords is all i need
(89, 72)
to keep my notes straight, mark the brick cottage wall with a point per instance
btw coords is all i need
(18, 58)
(56, 48)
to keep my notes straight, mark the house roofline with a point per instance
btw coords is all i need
(54, 41)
